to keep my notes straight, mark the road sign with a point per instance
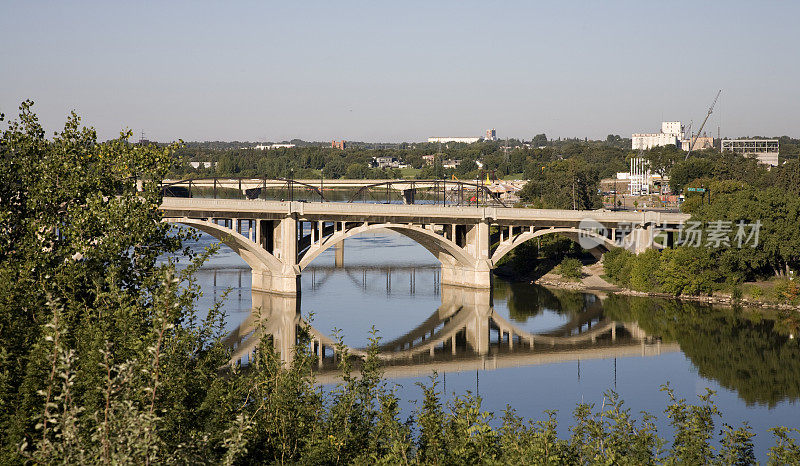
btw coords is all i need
(698, 190)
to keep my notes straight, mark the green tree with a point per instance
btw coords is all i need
(661, 159)
(563, 184)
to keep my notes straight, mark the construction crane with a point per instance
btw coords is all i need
(694, 139)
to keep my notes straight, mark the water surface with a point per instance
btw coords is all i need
(390, 283)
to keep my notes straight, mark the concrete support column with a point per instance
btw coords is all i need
(478, 273)
(314, 232)
(338, 254)
(282, 244)
(643, 239)
(448, 231)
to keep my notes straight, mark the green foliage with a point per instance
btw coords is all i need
(786, 449)
(694, 427)
(617, 265)
(563, 184)
(663, 158)
(642, 277)
(678, 271)
(612, 436)
(523, 259)
(688, 270)
(570, 268)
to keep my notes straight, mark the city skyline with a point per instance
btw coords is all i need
(204, 71)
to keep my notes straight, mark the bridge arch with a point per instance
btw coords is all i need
(442, 248)
(508, 246)
(254, 255)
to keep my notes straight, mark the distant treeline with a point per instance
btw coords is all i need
(563, 173)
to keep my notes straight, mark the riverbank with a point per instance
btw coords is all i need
(593, 281)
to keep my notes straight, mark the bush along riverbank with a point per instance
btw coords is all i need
(693, 273)
(685, 273)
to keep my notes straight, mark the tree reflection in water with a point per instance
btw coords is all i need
(748, 351)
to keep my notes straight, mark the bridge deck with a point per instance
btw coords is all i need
(193, 207)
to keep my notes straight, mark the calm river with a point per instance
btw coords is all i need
(583, 344)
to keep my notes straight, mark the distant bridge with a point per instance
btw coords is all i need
(445, 192)
(280, 239)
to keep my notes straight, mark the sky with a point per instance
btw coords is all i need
(402, 71)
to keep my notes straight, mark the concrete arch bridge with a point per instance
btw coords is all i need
(280, 239)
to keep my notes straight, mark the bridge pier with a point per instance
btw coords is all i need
(643, 238)
(478, 276)
(278, 238)
(286, 282)
(474, 239)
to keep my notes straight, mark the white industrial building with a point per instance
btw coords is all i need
(671, 135)
(448, 139)
(700, 143)
(639, 177)
(273, 146)
(765, 150)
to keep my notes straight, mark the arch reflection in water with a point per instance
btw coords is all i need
(464, 333)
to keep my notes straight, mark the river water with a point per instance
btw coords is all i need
(582, 344)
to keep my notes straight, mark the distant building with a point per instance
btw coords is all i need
(198, 165)
(341, 145)
(450, 163)
(700, 143)
(765, 150)
(429, 158)
(671, 135)
(491, 135)
(385, 162)
(447, 139)
(273, 146)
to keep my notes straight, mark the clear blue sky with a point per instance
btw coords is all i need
(402, 71)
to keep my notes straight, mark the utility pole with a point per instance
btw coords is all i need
(573, 193)
(505, 156)
(572, 166)
(437, 160)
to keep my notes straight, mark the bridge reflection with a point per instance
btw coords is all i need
(464, 333)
